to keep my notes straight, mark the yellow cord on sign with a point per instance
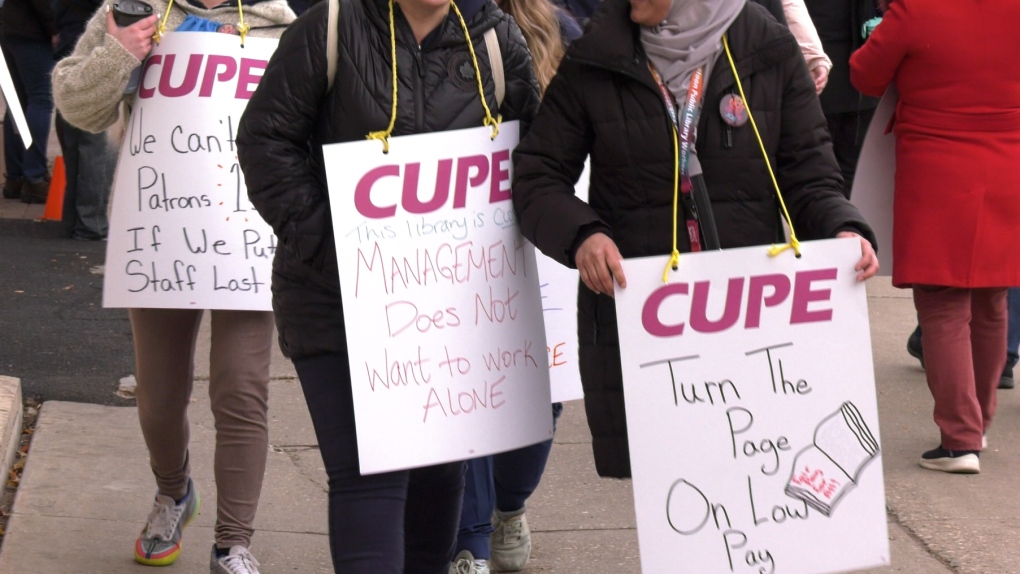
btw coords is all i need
(384, 135)
(489, 121)
(161, 28)
(242, 28)
(674, 258)
(793, 244)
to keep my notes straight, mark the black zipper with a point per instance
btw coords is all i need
(419, 77)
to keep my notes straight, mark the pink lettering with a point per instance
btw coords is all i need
(780, 285)
(803, 296)
(499, 175)
(190, 76)
(699, 307)
(212, 64)
(144, 92)
(650, 312)
(245, 78)
(363, 193)
(480, 164)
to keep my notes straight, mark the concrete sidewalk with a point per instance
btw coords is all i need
(87, 487)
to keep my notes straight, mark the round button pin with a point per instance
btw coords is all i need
(732, 110)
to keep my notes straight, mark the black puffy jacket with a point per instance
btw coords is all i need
(604, 102)
(291, 115)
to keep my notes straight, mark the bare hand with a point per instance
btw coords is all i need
(599, 262)
(868, 264)
(820, 74)
(136, 38)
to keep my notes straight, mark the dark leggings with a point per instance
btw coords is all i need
(391, 523)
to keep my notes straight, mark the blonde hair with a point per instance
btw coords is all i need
(540, 24)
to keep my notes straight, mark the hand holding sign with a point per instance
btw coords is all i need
(867, 266)
(599, 262)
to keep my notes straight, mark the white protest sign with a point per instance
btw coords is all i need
(441, 299)
(13, 104)
(751, 412)
(182, 232)
(874, 182)
(559, 305)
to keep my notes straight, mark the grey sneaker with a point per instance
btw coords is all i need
(465, 563)
(159, 544)
(237, 561)
(511, 541)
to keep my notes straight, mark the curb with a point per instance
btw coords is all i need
(10, 420)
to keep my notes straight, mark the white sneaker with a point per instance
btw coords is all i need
(465, 563)
(510, 543)
(238, 561)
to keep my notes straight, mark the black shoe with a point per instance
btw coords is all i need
(954, 461)
(1006, 380)
(35, 191)
(12, 187)
(914, 347)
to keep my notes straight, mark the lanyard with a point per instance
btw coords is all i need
(683, 127)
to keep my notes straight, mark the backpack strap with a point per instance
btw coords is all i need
(495, 62)
(331, 42)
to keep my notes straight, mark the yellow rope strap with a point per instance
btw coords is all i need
(793, 244)
(384, 135)
(489, 121)
(242, 28)
(674, 258)
(161, 29)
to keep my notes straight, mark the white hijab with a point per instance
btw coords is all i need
(689, 37)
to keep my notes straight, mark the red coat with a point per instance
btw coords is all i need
(956, 214)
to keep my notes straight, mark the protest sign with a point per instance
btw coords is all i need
(559, 306)
(751, 412)
(874, 182)
(441, 299)
(182, 232)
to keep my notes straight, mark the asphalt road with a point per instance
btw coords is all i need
(54, 333)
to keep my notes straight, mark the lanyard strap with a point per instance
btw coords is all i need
(683, 127)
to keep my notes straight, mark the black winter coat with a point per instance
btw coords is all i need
(291, 115)
(28, 20)
(604, 102)
(839, 24)
(70, 18)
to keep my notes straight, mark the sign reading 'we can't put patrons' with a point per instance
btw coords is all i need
(182, 232)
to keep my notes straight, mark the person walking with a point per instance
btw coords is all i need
(27, 35)
(957, 128)
(494, 534)
(89, 159)
(613, 99)
(89, 88)
(393, 522)
(841, 28)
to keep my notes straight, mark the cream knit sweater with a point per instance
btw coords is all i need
(88, 85)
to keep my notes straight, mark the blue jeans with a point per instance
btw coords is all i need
(31, 64)
(89, 160)
(402, 522)
(1013, 331)
(502, 481)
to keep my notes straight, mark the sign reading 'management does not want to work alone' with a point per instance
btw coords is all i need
(752, 415)
(441, 299)
(182, 232)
